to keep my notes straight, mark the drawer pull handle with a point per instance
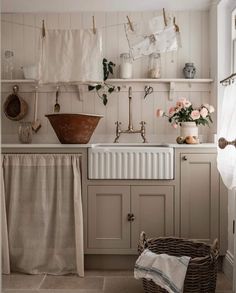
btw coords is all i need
(131, 217)
(185, 158)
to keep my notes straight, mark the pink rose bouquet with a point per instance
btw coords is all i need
(184, 112)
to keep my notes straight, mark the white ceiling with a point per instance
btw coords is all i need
(100, 5)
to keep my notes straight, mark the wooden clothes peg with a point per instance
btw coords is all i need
(94, 26)
(130, 24)
(43, 29)
(164, 16)
(176, 26)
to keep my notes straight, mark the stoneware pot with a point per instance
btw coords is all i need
(189, 70)
(74, 128)
(188, 129)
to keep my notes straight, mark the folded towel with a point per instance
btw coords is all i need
(165, 270)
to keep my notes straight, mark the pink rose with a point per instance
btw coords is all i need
(195, 114)
(180, 103)
(204, 112)
(211, 109)
(187, 104)
(172, 111)
(159, 113)
(174, 125)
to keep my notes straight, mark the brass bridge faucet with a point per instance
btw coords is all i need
(130, 129)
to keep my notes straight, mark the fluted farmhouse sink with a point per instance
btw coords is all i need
(131, 145)
(131, 161)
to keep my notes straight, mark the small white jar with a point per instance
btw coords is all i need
(126, 65)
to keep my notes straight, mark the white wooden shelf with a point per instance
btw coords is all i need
(160, 80)
(171, 82)
(120, 80)
(18, 81)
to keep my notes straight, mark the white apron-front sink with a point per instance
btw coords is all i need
(129, 161)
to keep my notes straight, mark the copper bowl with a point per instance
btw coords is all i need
(74, 128)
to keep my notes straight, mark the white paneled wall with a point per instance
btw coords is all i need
(21, 33)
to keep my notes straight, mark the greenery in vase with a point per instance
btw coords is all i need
(104, 89)
(184, 111)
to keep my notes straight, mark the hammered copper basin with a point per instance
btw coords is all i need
(74, 128)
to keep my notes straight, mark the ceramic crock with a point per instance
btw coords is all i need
(188, 129)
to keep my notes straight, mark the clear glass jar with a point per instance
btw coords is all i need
(154, 70)
(8, 64)
(25, 132)
(126, 65)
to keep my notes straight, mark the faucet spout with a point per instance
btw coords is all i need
(130, 129)
(130, 126)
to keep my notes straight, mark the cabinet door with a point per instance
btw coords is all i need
(153, 208)
(199, 193)
(108, 207)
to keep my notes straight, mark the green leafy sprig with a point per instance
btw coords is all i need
(104, 89)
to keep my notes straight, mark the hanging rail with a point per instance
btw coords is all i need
(228, 80)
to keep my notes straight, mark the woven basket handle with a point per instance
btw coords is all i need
(215, 245)
(142, 241)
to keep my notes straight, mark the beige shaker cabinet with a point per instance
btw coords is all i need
(108, 207)
(200, 197)
(153, 208)
(117, 214)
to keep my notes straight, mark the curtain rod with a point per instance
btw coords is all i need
(228, 79)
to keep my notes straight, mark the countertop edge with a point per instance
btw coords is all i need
(70, 147)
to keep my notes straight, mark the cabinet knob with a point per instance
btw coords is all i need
(130, 217)
(185, 158)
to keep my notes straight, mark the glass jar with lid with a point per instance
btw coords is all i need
(25, 132)
(126, 65)
(154, 70)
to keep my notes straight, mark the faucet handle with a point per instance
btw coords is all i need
(143, 123)
(117, 123)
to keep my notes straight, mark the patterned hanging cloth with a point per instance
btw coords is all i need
(154, 35)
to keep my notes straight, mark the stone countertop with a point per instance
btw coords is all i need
(89, 145)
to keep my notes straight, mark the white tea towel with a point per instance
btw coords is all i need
(166, 271)
(152, 36)
(71, 56)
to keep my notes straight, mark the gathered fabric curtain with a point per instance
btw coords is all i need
(226, 158)
(42, 221)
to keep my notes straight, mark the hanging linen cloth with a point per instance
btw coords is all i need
(152, 36)
(226, 158)
(43, 226)
(71, 56)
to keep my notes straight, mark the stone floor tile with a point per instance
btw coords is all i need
(21, 281)
(110, 273)
(223, 283)
(69, 291)
(72, 282)
(122, 284)
(19, 291)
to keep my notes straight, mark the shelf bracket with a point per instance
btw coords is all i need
(171, 90)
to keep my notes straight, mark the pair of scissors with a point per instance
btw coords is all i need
(147, 90)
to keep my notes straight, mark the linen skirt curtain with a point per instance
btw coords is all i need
(42, 222)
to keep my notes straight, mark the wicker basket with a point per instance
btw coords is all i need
(202, 269)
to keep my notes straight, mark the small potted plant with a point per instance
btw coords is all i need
(186, 116)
